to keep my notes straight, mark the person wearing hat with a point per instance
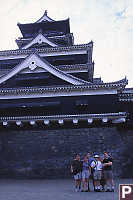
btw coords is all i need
(97, 174)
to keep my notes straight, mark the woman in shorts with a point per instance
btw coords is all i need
(86, 172)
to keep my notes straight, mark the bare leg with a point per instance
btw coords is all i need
(107, 184)
(76, 184)
(83, 184)
(112, 185)
(96, 185)
(86, 184)
(112, 182)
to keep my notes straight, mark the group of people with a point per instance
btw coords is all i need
(96, 168)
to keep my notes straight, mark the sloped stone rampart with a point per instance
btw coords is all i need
(48, 153)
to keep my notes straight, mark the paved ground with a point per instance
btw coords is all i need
(51, 190)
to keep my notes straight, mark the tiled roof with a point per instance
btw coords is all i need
(66, 117)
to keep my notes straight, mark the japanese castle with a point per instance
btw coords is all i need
(48, 82)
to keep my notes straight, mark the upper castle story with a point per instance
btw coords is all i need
(47, 56)
(46, 32)
(53, 44)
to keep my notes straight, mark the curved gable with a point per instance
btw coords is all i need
(33, 61)
(39, 39)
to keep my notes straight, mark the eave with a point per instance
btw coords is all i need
(126, 97)
(65, 68)
(69, 50)
(21, 41)
(67, 117)
(61, 26)
(73, 90)
(64, 121)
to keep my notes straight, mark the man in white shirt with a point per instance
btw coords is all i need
(97, 167)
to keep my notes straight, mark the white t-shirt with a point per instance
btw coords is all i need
(97, 165)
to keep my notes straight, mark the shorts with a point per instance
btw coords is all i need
(108, 174)
(85, 174)
(97, 175)
(77, 176)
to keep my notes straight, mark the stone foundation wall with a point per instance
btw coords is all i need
(48, 153)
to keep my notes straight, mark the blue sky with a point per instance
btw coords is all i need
(109, 23)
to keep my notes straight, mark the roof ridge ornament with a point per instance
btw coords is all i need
(45, 18)
(45, 13)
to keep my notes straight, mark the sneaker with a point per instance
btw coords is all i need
(98, 190)
(87, 190)
(108, 190)
(76, 189)
(82, 190)
(112, 190)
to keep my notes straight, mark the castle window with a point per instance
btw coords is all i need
(82, 103)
